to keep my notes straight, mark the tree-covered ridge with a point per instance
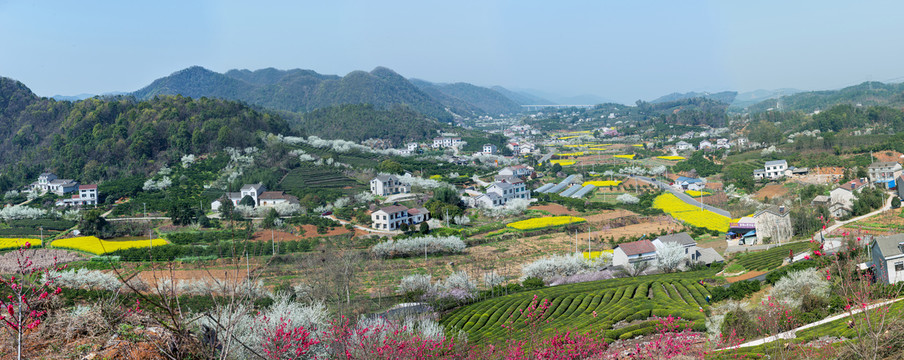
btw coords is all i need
(299, 90)
(865, 94)
(692, 111)
(99, 139)
(363, 121)
(726, 97)
(485, 100)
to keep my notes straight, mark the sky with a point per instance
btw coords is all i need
(620, 50)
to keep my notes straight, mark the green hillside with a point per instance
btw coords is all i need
(98, 139)
(363, 121)
(298, 90)
(865, 94)
(484, 100)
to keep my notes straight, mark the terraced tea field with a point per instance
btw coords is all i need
(772, 258)
(616, 302)
(315, 178)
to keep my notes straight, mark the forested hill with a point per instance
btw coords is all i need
(865, 94)
(300, 90)
(725, 96)
(359, 122)
(98, 139)
(485, 100)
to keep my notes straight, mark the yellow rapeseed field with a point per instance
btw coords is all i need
(671, 157)
(579, 153)
(630, 156)
(601, 183)
(567, 137)
(9, 243)
(696, 193)
(562, 162)
(690, 214)
(595, 254)
(544, 222)
(97, 246)
(638, 145)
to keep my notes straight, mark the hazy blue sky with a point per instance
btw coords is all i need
(623, 50)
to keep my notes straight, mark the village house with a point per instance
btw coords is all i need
(48, 182)
(518, 171)
(884, 172)
(86, 195)
(684, 145)
(384, 185)
(841, 199)
(687, 183)
(272, 198)
(446, 142)
(392, 217)
(489, 149)
(900, 189)
(514, 147)
(705, 145)
(251, 190)
(694, 253)
(633, 252)
(772, 170)
(500, 193)
(887, 258)
(773, 223)
(722, 144)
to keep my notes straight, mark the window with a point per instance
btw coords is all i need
(899, 266)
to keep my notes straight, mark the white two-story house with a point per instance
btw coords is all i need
(884, 172)
(384, 185)
(501, 192)
(772, 170)
(633, 252)
(392, 217)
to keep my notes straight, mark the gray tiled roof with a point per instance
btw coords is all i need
(682, 238)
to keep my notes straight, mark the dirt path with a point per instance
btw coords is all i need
(746, 276)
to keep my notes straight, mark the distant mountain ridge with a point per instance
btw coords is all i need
(522, 98)
(303, 91)
(865, 94)
(482, 99)
(726, 97)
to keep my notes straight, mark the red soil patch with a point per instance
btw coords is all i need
(772, 191)
(554, 209)
(310, 231)
(888, 156)
(609, 215)
(228, 275)
(746, 276)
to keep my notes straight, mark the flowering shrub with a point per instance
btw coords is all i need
(544, 222)
(564, 265)
(419, 245)
(21, 212)
(627, 199)
(84, 279)
(690, 214)
(97, 246)
(791, 289)
(512, 207)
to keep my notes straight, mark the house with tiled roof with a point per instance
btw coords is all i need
(392, 217)
(384, 185)
(887, 254)
(633, 252)
(86, 195)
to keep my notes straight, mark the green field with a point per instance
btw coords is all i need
(772, 258)
(633, 300)
(315, 178)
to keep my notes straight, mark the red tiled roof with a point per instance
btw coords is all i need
(637, 247)
(87, 187)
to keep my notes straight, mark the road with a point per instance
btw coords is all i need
(681, 195)
(791, 334)
(839, 224)
(546, 157)
(359, 227)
